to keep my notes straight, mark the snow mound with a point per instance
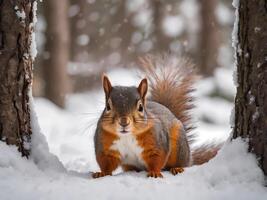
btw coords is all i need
(233, 174)
(39, 147)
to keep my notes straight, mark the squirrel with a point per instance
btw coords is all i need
(151, 133)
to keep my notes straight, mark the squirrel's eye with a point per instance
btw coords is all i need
(108, 108)
(140, 108)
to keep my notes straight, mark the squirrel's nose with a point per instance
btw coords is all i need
(124, 121)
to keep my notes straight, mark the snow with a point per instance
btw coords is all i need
(40, 33)
(21, 14)
(173, 26)
(224, 14)
(91, 1)
(146, 46)
(235, 44)
(94, 16)
(40, 152)
(114, 58)
(83, 40)
(257, 29)
(73, 10)
(134, 5)
(136, 37)
(142, 18)
(225, 58)
(222, 178)
(256, 114)
(33, 47)
(223, 75)
(189, 8)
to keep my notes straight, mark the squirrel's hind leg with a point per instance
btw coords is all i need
(176, 170)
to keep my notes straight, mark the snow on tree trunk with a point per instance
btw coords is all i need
(250, 40)
(57, 47)
(17, 53)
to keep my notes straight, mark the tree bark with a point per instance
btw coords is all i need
(57, 50)
(16, 63)
(209, 38)
(251, 97)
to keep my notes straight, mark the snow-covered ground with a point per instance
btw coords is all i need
(233, 174)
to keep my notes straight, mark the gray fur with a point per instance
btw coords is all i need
(164, 121)
(124, 99)
(183, 155)
(97, 141)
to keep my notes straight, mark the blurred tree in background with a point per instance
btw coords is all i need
(112, 33)
(57, 51)
(209, 37)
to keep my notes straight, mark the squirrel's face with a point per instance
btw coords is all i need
(125, 111)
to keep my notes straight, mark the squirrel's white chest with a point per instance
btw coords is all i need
(130, 151)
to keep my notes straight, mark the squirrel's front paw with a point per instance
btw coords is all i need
(176, 170)
(154, 174)
(100, 174)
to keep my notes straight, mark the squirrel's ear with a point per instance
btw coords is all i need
(142, 88)
(106, 85)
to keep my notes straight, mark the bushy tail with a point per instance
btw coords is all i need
(204, 153)
(172, 83)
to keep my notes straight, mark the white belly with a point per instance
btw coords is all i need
(129, 150)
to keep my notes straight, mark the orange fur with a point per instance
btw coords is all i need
(108, 160)
(154, 157)
(109, 127)
(107, 139)
(174, 137)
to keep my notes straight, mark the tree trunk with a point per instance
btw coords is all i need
(162, 43)
(16, 62)
(57, 51)
(81, 34)
(251, 97)
(209, 38)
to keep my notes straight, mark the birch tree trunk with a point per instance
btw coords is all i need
(16, 62)
(251, 97)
